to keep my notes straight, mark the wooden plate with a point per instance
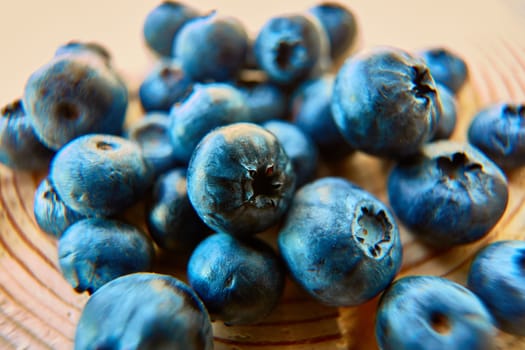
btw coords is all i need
(39, 310)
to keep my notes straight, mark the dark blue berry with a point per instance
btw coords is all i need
(92, 252)
(20, 148)
(212, 48)
(385, 102)
(430, 313)
(448, 194)
(144, 311)
(240, 180)
(164, 86)
(448, 114)
(163, 23)
(497, 276)
(446, 67)
(499, 131)
(172, 222)
(74, 95)
(239, 281)
(51, 214)
(100, 175)
(340, 243)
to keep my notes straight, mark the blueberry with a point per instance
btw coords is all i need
(51, 214)
(164, 86)
(100, 175)
(340, 25)
(163, 24)
(298, 146)
(208, 107)
(74, 95)
(239, 281)
(385, 102)
(312, 113)
(172, 222)
(265, 101)
(288, 48)
(20, 148)
(80, 47)
(92, 252)
(340, 243)
(499, 131)
(448, 115)
(497, 277)
(152, 134)
(448, 194)
(430, 312)
(144, 311)
(240, 180)
(212, 48)
(446, 67)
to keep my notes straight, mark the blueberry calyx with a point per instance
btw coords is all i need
(13, 110)
(373, 231)
(423, 85)
(456, 166)
(440, 322)
(170, 75)
(66, 111)
(512, 110)
(262, 187)
(287, 52)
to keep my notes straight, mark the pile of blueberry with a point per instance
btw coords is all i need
(229, 146)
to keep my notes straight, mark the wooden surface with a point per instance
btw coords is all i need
(39, 310)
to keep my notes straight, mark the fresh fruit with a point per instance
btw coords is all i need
(496, 276)
(385, 102)
(240, 180)
(340, 243)
(430, 312)
(100, 175)
(92, 252)
(447, 67)
(144, 311)
(239, 281)
(498, 130)
(448, 194)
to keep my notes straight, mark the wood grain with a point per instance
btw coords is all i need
(39, 310)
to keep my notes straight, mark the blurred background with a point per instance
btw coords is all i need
(31, 30)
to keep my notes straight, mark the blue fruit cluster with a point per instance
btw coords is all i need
(238, 137)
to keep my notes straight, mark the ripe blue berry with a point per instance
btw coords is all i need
(212, 48)
(164, 86)
(340, 25)
(79, 47)
(239, 281)
(57, 109)
(288, 48)
(144, 311)
(448, 194)
(19, 146)
(152, 134)
(208, 107)
(448, 115)
(92, 252)
(429, 312)
(172, 222)
(340, 243)
(499, 131)
(298, 146)
(265, 101)
(446, 67)
(497, 277)
(163, 23)
(240, 180)
(51, 214)
(312, 113)
(100, 175)
(385, 102)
